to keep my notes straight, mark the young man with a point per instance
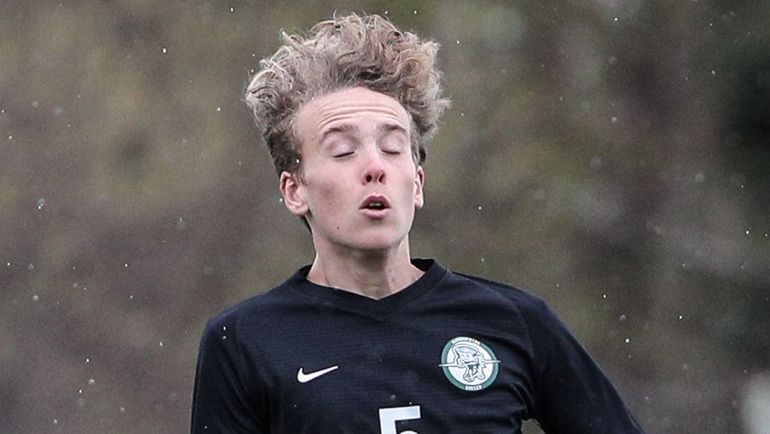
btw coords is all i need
(367, 339)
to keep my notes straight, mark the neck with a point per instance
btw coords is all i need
(371, 274)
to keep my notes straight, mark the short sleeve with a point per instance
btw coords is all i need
(223, 401)
(573, 395)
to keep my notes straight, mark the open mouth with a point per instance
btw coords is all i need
(375, 203)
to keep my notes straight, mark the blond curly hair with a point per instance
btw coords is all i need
(339, 53)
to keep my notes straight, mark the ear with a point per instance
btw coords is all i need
(293, 195)
(419, 184)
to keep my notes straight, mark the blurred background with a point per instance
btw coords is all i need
(612, 157)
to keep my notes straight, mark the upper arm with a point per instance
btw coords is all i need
(223, 397)
(573, 393)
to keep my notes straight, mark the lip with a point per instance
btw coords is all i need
(375, 213)
(375, 198)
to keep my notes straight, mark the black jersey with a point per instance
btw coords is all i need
(448, 354)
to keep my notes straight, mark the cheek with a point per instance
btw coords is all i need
(328, 196)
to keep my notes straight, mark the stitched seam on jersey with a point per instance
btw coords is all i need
(482, 283)
(546, 363)
(249, 380)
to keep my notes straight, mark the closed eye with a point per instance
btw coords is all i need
(343, 154)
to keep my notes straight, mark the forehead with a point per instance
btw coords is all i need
(349, 106)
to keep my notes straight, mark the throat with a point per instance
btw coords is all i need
(368, 280)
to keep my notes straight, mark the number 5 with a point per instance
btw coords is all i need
(389, 417)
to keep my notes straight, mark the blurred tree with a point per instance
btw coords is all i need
(610, 156)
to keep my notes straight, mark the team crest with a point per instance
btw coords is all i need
(469, 364)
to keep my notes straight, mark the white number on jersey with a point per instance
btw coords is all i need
(389, 417)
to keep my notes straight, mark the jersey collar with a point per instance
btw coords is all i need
(347, 300)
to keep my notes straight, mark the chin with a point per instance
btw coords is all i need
(381, 243)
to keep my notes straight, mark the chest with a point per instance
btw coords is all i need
(394, 376)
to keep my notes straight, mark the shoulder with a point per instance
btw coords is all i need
(502, 306)
(259, 309)
(493, 291)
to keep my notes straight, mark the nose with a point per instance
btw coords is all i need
(374, 171)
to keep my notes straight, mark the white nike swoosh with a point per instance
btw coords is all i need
(304, 378)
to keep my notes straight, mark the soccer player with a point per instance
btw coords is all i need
(367, 339)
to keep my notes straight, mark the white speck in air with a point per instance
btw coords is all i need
(457, 42)
(35, 104)
(479, 208)
(219, 109)
(614, 119)
(91, 381)
(628, 340)
(747, 231)
(163, 50)
(160, 343)
(414, 12)
(622, 317)
(55, 421)
(125, 265)
(40, 203)
(122, 410)
(87, 360)
(35, 297)
(680, 317)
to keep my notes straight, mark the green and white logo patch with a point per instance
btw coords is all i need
(469, 364)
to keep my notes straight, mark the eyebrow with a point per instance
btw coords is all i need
(350, 128)
(342, 128)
